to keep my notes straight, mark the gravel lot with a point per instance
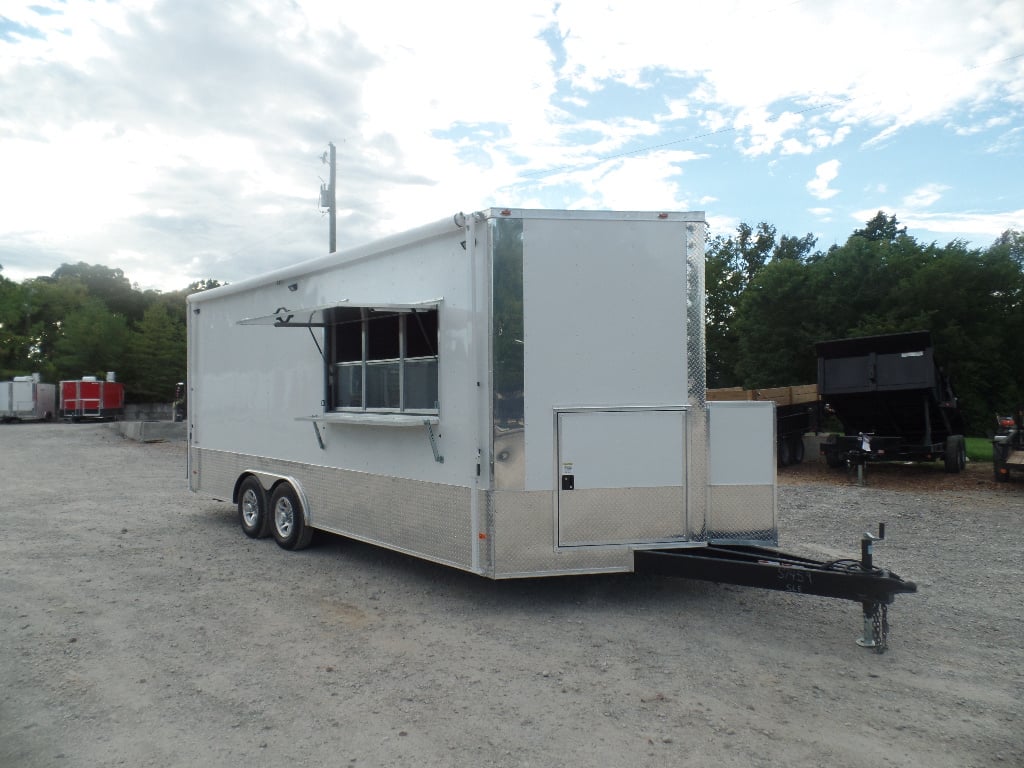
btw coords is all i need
(139, 627)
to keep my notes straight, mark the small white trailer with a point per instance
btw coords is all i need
(26, 398)
(512, 392)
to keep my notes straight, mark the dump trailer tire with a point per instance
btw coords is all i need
(287, 522)
(956, 456)
(253, 509)
(784, 453)
(796, 452)
(831, 451)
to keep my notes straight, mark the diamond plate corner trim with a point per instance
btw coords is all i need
(750, 506)
(524, 541)
(696, 363)
(696, 385)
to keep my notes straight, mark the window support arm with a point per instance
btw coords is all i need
(433, 442)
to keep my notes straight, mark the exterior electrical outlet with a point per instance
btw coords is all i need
(514, 393)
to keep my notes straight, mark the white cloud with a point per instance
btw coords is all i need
(924, 196)
(121, 112)
(825, 174)
(987, 225)
(1010, 141)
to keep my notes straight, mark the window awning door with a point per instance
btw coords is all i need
(313, 317)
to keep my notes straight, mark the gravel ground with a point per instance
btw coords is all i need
(139, 627)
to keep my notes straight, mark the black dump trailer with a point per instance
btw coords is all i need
(892, 399)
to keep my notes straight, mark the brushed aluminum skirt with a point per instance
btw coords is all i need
(429, 520)
(517, 537)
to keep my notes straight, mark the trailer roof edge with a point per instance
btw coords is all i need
(428, 231)
(320, 263)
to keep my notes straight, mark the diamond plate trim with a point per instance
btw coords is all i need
(696, 385)
(738, 510)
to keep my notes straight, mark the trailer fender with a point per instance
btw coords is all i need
(270, 481)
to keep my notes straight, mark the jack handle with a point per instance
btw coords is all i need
(867, 547)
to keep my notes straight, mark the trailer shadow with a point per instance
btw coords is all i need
(373, 575)
(621, 592)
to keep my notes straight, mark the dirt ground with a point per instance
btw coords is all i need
(139, 627)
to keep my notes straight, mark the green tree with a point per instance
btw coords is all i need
(93, 340)
(13, 338)
(776, 327)
(46, 302)
(731, 264)
(156, 356)
(881, 227)
(884, 281)
(109, 285)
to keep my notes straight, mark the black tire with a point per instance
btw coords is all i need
(998, 459)
(955, 458)
(253, 513)
(287, 521)
(783, 453)
(796, 452)
(831, 451)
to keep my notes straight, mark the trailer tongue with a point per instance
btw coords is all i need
(753, 566)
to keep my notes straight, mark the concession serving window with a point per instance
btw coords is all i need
(378, 358)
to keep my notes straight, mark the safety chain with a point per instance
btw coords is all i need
(880, 627)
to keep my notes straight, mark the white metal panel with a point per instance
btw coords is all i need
(249, 384)
(742, 436)
(621, 449)
(23, 396)
(604, 304)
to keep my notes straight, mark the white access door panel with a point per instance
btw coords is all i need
(620, 477)
(741, 493)
(24, 396)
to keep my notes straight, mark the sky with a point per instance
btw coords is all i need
(181, 140)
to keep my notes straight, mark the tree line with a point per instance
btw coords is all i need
(87, 320)
(769, 299)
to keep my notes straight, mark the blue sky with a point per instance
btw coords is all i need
(181, 139)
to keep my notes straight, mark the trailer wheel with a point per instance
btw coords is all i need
(956, 454)
(287, 522)
(252, 509)
(796, 452)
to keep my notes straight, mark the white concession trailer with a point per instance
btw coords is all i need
(511, 392)
(27, 398)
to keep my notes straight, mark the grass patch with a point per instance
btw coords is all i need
(979, 449)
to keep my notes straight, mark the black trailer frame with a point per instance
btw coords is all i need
(752, 566)
(1008, 447)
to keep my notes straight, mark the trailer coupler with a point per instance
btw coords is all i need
(752, 566)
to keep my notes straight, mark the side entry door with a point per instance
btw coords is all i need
(620, 476)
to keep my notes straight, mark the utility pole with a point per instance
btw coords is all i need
(328, 197)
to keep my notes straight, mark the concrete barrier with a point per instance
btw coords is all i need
(151, 431)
